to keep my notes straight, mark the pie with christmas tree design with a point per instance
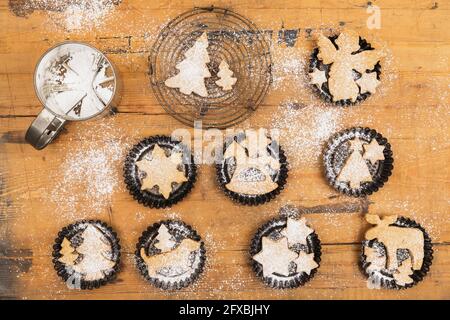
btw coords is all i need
(355, 170)
(358, 161)
(88, 254)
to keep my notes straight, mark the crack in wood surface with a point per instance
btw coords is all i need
(361, 206)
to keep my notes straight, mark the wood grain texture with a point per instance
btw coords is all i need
(414, 114)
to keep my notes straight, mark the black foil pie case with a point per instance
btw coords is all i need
(358, 161)
(135, 176)
(376, 264)
(86, 254)
(323, 90)
(309, 252)
(239, 179)
(170, 255)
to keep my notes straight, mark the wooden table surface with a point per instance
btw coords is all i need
(412, 111)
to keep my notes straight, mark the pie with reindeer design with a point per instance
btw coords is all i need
(397, 252)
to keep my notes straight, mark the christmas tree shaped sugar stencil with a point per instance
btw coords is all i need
(193, 69)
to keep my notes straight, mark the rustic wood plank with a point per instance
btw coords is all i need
(405, 92)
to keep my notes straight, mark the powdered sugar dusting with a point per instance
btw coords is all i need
(82, 15)
(171, 215)
(89, 174)
(289, 66)
(304, 130)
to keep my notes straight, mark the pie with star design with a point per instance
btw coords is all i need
(285, 252)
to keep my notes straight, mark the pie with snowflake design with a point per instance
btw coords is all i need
(285, 252)
(358, 161)
(159, 171)
(345, 69)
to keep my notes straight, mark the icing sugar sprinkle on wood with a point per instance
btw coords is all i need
(89, 173)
